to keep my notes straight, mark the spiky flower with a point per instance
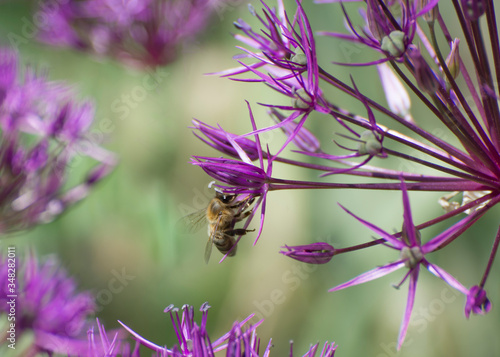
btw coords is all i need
(194, 340)
(44, 133)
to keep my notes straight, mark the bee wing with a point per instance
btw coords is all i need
(193, 222)
(208, 249)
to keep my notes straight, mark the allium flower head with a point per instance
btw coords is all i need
(43, 133)
(48, 304)
(145, 33)
(451, 146)
(412, 255)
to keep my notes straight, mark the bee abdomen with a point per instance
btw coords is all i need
(224, 243)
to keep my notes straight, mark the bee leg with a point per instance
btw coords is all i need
(239, 231)
(242, 215)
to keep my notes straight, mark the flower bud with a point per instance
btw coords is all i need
(299, 57)
(369, 144)
(394, 44)
(426, 78)
(315, 253)
(302, 99)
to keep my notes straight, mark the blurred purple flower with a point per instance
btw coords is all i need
(44, 132)
(194, 341)
(142, 33)
(46, 303)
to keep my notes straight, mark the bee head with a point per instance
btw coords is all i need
(225, 198)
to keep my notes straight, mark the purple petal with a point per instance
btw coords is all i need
(370, 275)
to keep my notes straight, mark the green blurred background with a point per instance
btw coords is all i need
(128, 223)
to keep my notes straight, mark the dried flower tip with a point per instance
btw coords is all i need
(447, 204)
(369, 144)
(315, 253)
(394, 43)
(302, 99)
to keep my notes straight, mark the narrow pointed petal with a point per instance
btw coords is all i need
(409, 305)
(370, 275)
(387, 236)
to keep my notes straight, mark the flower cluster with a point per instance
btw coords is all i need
(43, 300)
(44, 133)
(145, 33)
(193, 338)
(409, 58)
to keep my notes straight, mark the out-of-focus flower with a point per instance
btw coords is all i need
(44, 301)
(143, 33)
(44, 132)
(194, 340)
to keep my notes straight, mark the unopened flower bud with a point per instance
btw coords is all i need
(369, 144)
(453, 59)
(426, 78)
(299, 57)
(302, 99)
(315, 253)
(394, 44)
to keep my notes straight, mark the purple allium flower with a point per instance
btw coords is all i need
(45, 301)
(451, 147)
(315, 253)
(193, 338)
(412, 254)
(143, 33)
(44, 132)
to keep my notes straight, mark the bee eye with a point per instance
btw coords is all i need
(228, 198)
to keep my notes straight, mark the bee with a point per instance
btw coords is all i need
(221, 214)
